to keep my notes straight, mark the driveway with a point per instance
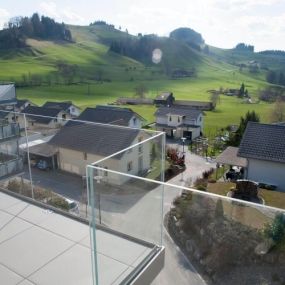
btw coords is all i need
(140, 216)
(195, 166)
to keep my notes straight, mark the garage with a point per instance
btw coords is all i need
(43, 156)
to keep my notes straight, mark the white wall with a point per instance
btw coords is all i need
(74, 111)
(267, 172)
(137, 123)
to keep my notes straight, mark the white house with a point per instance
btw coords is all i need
(40, 117)
(179, 122)
(264, 147)
(112, 115)
(7, 94)
(80, 144)
(66, 106)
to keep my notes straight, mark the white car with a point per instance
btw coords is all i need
(72, 206)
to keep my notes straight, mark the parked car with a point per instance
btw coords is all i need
(43, 165)
(73, 206)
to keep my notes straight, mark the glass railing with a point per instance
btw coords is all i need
(118, 185)
(55, 159)
(8, 130)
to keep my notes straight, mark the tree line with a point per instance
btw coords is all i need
(244, 47)
(19, 28)
(140, 48)
(275, 77)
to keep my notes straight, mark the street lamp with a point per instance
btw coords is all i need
(183, 143)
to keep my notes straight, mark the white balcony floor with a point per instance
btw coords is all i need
(38, 246)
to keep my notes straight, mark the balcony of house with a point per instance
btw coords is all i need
(9, 131)
(10, 165)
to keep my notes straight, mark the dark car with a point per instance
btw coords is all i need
(43, 165)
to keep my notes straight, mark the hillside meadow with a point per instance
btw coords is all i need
(228, 111)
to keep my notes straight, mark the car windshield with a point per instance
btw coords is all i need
(72, 205)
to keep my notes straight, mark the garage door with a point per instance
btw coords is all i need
(70, 168)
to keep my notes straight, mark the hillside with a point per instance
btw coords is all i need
(86, 72)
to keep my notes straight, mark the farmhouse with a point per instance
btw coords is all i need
(198, 105)
(66, 106)
(22, 104)
(41, 117)
(264, 147)
(79, 144)
(7, 94)
(164, 99)
(112, 115)
(179, 122)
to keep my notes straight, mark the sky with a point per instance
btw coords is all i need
(222, 23)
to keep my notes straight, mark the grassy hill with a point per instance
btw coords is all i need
(106, 75)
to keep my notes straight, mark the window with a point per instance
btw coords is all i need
(130, 166)
(134, 120)
(200, 119)
(64, 116)
(84, 155)
(178, 120)
(106, 172)
(140, 146)
(170, 119)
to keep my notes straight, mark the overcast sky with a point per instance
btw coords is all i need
(222, 23)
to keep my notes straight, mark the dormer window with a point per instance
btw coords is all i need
(134, 120)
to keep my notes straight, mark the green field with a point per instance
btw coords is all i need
(120, 75)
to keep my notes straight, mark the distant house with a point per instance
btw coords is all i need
(179, 122)
(22, 104)
(134, 101)
(198, 105)
(66, 106)
(264, 147)
(8, 94)
(112, 115)
(164, 99)
(40, 117)
(79, 144)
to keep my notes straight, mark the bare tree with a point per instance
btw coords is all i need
(215, 98)
(278, 111)
(140, 90)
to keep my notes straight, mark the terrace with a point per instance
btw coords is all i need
(225, 239)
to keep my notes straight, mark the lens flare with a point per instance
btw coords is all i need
(156, 56)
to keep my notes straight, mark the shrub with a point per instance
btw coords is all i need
(207, 173)
(275, 230)
(58, 202)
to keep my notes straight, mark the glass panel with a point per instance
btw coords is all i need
(127, 205)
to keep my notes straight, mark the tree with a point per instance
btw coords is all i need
(235, 138)
(215, 98)
(241, 90)
(278, 111)
(140, 90)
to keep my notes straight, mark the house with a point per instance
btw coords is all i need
(164, 99)
(179, 122)
(263, 145)
(40, 117)
(112, 115)
(79, 144)
(7, 95)
(198, 105)
(66, 106)
(11, 164)
(22, 104)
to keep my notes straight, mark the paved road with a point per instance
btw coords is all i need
(138, 214)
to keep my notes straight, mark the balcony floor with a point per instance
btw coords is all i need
(39, 246)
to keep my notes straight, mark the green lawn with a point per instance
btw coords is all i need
(228, 111)
(271, 198)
